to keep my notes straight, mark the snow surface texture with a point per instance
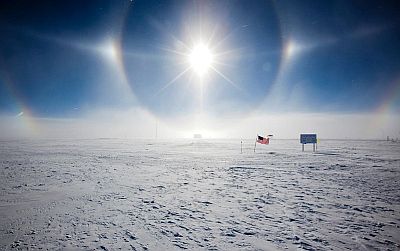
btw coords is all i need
(199, 194)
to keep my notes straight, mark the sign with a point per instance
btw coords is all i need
(308, 138)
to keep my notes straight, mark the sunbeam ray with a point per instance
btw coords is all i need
(172, 81)
(226, 78)
(174, 51)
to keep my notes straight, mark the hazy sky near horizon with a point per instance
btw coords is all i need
(70, 59)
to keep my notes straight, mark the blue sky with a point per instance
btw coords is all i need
(350, 65)
(53, 56)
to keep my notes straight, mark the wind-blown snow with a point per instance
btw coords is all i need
(199, 194)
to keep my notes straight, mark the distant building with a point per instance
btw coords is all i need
(197, 136)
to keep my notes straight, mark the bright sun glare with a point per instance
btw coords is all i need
(200, 59)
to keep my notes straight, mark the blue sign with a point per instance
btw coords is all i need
(308, 138)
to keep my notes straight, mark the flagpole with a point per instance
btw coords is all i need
(255, 144)
(156, 128)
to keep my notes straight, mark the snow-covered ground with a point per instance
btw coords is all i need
(199, 194)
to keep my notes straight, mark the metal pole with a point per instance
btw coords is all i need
(241, 146)
(156, 129)
(302, 147)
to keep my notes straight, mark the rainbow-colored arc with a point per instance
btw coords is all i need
(25, 114)
(392, 96)
(386, 108)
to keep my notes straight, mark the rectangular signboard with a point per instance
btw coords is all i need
(308, 138)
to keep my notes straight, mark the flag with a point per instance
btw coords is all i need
(262, 140)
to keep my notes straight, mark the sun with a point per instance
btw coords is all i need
(200, 59)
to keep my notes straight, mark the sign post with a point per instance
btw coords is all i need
(308, 139)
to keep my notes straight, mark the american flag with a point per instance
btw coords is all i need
(262, 140)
